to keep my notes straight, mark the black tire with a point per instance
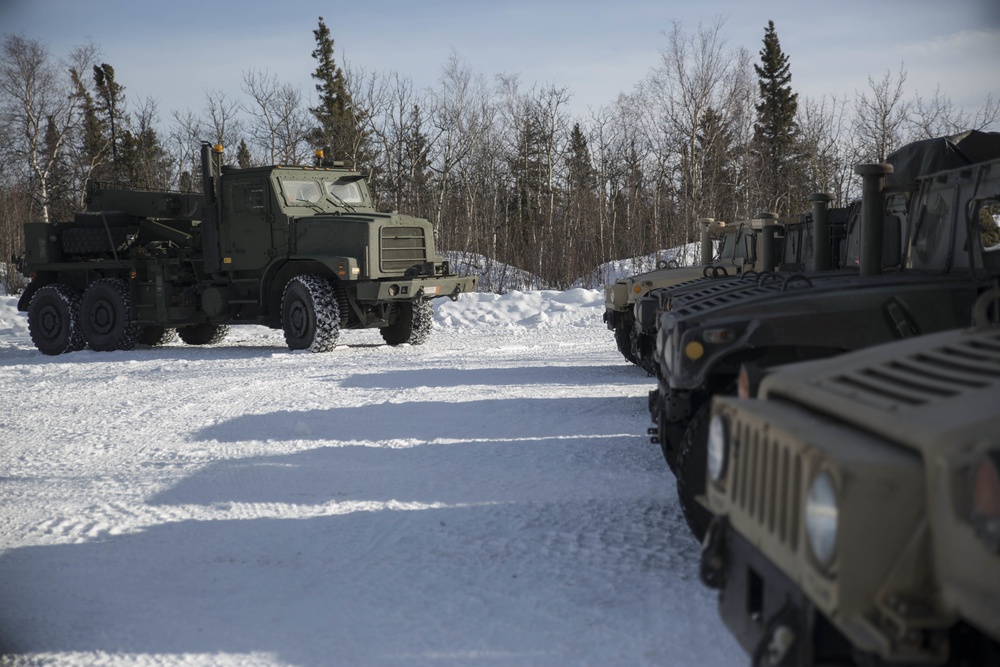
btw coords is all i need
(623, 339)
(156, 335)
(670, 435)
(310, 314)
(106, 316)
(54, 320)
(691, 470)
(205, 333)
(411, 324)
(643, 346)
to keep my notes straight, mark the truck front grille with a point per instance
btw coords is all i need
(765, 482)
(401, 248)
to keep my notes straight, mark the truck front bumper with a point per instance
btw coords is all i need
(766, 612)
(409, 289)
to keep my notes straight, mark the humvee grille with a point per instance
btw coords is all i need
(401, 248)
(714, 297)
(925, 377)
(765, 482)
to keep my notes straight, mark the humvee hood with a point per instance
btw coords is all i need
(924, 392)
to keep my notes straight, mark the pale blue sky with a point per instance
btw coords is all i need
(174, 51)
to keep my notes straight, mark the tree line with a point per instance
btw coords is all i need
(504, 170)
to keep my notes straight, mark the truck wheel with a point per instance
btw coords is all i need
(205, 333)
(412, 324)
(691, 471)
(106, 316)
(310, 314)
(156, 335)
(54, 320)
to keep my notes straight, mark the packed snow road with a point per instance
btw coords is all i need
(489, 498)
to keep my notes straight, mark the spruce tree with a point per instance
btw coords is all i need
(111, 104)
(775, 132)
(339, 121)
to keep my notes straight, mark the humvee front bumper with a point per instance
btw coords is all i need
(408, 289)
(767, 613)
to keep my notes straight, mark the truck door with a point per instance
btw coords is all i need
(246, 229)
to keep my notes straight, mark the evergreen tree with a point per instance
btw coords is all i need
(111, 104)
(775, 131)
(243, 158)
(94, 143)
(339, 130)
(581, 171)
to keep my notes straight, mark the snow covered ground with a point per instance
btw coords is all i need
(489, 498)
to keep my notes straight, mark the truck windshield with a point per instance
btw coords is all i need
(322, 193)
(345, 190)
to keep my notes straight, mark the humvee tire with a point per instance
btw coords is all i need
(412, 324)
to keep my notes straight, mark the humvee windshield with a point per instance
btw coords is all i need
(734, 247)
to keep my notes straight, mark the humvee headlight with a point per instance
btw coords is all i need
(718, 445)
(821, 518)
(985, 491)
(716, 336)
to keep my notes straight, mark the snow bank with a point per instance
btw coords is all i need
(537, 310)
(12, 323)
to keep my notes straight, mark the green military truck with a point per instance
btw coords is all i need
(920, 226)
(857, 505)
(294, 248)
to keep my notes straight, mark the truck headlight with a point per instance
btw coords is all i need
(718, 446)
(985, 491)
(821, 518)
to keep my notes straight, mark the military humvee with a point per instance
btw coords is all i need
(620, 296)
(857, 505)
(297, 248)
(788, 244)
(920, 226)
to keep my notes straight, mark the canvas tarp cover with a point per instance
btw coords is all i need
(921, 158)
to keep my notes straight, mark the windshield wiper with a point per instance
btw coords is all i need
(336, 200)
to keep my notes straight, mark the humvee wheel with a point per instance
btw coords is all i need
(310, 314)
(156, 335)
(412, 324)
(670, 435)
(106, 316)
(205, 333)
(54, 320)
(691, 470)
(623, 338)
